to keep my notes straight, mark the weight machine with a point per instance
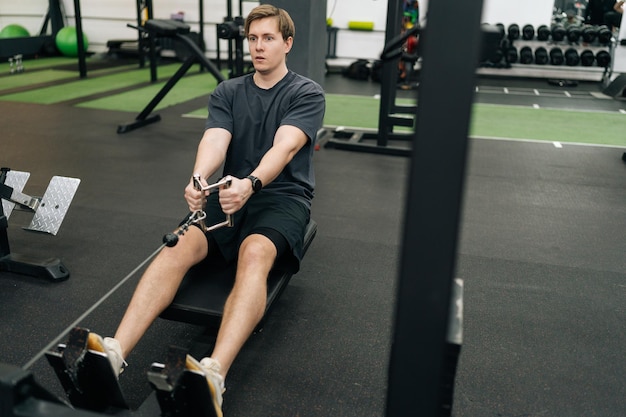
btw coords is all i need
(232, 30)
(385, 140)
(49, 212)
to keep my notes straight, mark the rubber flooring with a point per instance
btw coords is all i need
(541, 252)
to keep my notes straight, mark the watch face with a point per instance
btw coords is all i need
(256, 183)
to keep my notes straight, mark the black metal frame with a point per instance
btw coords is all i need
(390, 114)
(433, 209)
(178, 31)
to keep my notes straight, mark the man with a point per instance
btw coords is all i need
(262, 126)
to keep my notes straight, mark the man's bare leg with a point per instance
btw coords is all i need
(158, 285)
(246, 303)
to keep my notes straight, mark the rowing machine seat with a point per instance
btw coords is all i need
(200, 298)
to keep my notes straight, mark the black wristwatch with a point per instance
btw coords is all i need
(256, 183)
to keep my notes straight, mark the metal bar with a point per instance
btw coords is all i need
(432, 211)
(82, 66)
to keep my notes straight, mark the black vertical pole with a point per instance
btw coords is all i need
(202, 44)
(82, 66)
(55, 16)
(450, 43)
(389, 73)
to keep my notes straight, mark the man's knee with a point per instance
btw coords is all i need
(257, 249)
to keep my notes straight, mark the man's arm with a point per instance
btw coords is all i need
(209, 158)
(287, 142)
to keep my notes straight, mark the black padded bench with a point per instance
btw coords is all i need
(203, 292)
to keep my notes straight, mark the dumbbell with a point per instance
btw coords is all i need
(543, 33)
(558, 32)
(603, 58)
(528, 32)
(513, 31)
(587, 58)
(589, 33)
(526, 55)
(556, 56)
(501, 29)
(541, 56)
(572, 58)
(510, 55)
(604, 35)
(573, 34)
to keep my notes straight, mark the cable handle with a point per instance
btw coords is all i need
(224, 182)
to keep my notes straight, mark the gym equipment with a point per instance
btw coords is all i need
(604, 35)
(528, 32)
(556, 56)
(426, 274)
(603, 58)
(526, 56)
(39, 44)
(501, 29)
(573, 33)
(49, 212)
(587, 58)
(513, 31)
(180, 391)
(558, 32)
(390, 114)
(67, 43)
(541, 56)
(201, 301)
(13, 31)
(178, 31)
(572, 58)
(232, 30)
(15, 64)
(358, 25)
(543, 33)
(617, 87)
(511, 56)
(589, 33)
(86, 374)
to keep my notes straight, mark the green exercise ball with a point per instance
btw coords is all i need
(14, 31)
(66, 41)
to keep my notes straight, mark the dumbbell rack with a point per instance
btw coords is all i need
(593, 72)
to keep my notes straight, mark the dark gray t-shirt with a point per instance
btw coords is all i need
(253, 115)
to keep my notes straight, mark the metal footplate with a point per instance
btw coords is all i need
(54, 205)
(49, 212)
(181, 392)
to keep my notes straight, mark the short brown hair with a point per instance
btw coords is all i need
(285, 24)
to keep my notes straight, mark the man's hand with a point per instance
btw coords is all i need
(234, 197)
(196, 199)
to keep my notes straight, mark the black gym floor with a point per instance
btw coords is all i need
(542, 253)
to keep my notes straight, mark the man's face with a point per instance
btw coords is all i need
(267, 47)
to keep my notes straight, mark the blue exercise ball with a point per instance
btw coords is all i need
(66, 42)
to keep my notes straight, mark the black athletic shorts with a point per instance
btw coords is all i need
(282, 219)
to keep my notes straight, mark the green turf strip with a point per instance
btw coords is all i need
(185, 89)
(88, 86)
(548, 124)
(511, 122)
(33, 78)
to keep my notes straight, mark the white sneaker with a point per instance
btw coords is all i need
(111, 347)
(211, 370)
